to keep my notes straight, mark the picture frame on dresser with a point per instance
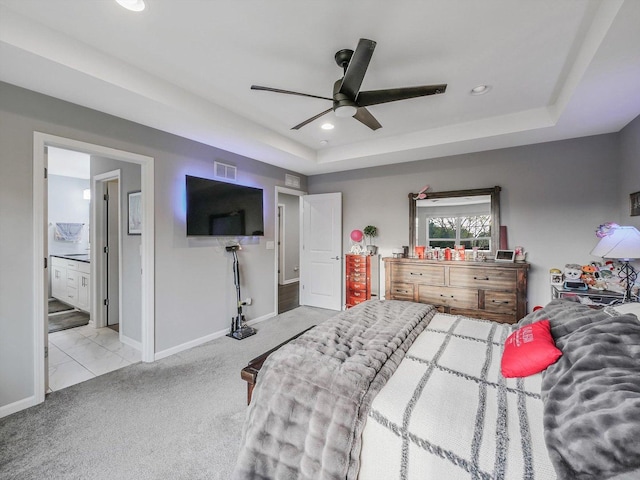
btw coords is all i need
(635, 204)
(505, 256)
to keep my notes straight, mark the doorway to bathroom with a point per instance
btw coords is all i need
(81, 346)
(140, 338)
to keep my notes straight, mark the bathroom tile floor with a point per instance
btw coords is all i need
(82, 353)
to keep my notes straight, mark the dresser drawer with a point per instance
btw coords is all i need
(481, 278)
(500, 302)
(451, 297)
(358, 286)
(424, 274)
(355, 300)
(401, 291)
(357, 261)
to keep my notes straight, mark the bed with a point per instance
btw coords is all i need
(393, 389)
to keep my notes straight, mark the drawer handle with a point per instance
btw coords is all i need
(401, 291)
(446, 296)
(356, 294)
(481, 278)
(505, 302)
(412, 273)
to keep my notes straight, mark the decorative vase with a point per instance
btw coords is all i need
(372, 249)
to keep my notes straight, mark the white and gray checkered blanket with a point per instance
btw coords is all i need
(447, 412)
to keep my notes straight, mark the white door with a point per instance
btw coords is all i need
(321, 251)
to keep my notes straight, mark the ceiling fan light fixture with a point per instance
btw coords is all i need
(345, 111)
(133, 5)
(480, 90)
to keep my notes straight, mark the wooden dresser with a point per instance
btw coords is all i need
(361, 278)
(490, 290)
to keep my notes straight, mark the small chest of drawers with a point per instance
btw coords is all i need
(361, 278)
(490, 290)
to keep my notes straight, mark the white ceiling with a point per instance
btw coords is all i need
(558, 69)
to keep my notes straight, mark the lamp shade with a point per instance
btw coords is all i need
(622, 243)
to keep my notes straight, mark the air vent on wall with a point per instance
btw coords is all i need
(291, 181)
(223, 170)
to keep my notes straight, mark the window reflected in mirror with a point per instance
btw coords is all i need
(447, 222)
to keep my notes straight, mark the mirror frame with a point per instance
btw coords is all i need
(495, 213)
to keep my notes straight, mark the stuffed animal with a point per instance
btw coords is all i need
(572, 272)
(588, 275)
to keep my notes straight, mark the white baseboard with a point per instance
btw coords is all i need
(131, 342)
(207, 338)
(17, 406)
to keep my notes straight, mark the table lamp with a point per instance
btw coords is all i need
(623, 244)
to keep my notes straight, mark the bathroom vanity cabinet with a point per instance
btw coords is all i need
(70, 281)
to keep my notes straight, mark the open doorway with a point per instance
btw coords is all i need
(142, 337)
(287, 248)
(79, 344)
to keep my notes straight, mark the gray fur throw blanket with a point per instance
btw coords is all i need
(591, 395)
(311, 401)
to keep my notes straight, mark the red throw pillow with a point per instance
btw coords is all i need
(529, 350)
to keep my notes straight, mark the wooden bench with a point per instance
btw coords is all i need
(250, 372)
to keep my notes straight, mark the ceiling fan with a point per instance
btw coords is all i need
(348, 100)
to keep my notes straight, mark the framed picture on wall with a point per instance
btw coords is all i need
(635, 204)
(135, 213)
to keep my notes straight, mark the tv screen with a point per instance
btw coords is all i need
(223, 209)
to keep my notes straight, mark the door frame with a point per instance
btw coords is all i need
(99, 288)
(40, 141)
(276, 256)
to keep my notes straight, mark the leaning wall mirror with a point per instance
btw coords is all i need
(460, 217)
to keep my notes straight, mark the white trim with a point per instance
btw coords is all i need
(288, 191)
(97, 239)
(207, 338)
(288, 282)
(40, 140)
(14, 407)
(131, 342)
(281, 212)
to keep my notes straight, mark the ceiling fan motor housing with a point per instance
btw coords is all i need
(343, 106)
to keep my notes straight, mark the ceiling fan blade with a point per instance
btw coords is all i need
(309, 120)
(357, 68)
(376, 97)
(288, 92)
(363, 115)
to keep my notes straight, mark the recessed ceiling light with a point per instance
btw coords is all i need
(480, 90)
(133, 5)
(327, 126)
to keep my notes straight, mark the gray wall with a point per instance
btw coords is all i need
(291, 235)
(131, 299)
(554, 195)
(195, 296)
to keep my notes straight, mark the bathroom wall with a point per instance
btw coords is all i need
(66, 205)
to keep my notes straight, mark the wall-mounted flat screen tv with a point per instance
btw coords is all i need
(222, 209)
